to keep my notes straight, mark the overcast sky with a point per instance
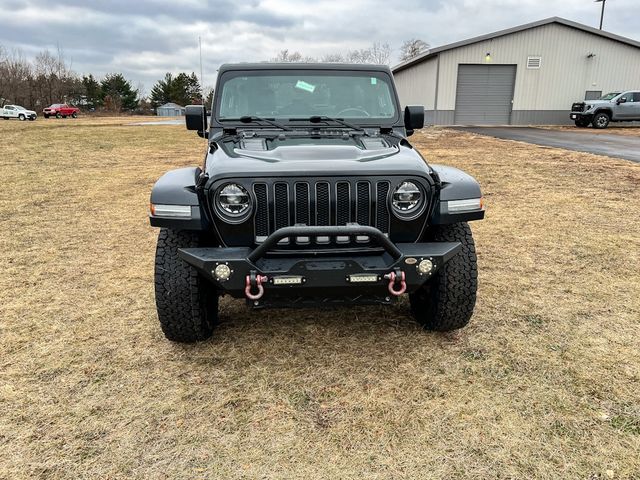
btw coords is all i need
(146, 38)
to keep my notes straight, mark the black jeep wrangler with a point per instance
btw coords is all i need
(310, 194)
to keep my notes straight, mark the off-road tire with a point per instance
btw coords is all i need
(74, 114)
(582, 123)
(21, 117)
(58, 115)
(601, 120)
(446, 301)
(46, 115)
(187, 304)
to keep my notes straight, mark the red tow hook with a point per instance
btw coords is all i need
(392, 277)
(258, 284)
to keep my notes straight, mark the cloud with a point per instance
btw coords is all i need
(146, 38)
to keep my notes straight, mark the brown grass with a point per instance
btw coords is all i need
(543, 384)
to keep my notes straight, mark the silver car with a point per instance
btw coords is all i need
(612, 107)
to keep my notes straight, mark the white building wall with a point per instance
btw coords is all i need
(566, 72)
(541, 95)
(417, 85)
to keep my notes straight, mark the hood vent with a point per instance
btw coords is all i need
(373, 143)
(254, 144)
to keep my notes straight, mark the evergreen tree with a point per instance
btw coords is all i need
(182, 89)
(161, 92)
(119, 92)
(194, 90)
(92, 90)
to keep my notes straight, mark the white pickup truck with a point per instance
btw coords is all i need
(16, 111)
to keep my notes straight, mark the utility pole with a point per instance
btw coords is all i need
(602, 11)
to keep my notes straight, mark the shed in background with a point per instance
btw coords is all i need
(170, 110)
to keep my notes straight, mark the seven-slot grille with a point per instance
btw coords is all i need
(322, 202)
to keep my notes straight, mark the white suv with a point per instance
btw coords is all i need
(16, 111)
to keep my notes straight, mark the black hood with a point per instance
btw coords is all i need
(339, 155)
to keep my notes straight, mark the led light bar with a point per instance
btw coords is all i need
(174, 211)
(471, 204)
(363, 278)
(288, 280)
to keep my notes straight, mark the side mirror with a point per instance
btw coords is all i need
(196, 118)
(622, 100)
(413, 118)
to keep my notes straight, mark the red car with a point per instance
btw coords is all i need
(60, 110)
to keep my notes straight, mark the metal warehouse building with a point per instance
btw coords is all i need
(525, 75)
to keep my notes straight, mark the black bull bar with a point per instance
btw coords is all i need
(330, 275)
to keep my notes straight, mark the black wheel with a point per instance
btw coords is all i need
(446, 302)
(582, 123)
(58, 115)
(21, 117)
(6, 118)
(74, 114)
(187, 304)
(32, 119)
(601, 120)
(46, 115)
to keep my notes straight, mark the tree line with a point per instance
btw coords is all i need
(378, 53)
(48, 78)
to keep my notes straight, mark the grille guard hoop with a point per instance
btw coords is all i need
(306, 231)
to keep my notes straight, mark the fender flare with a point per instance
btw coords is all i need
(454, 185)
(178, 187)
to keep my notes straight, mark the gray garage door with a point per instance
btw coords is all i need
(484, 94)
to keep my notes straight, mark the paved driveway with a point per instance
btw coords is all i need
(611, 145)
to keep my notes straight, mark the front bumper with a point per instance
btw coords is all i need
(581, 116)
(355, 276)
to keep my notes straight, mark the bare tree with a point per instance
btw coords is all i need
(380, 53)
(285, 56)
(377, 53)
(54, 77)
(332, 58)
(412, 48)
(15, 75)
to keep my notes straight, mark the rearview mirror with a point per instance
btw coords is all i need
(196, 118)
(413, 118)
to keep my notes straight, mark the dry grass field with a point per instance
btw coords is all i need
(544, 383)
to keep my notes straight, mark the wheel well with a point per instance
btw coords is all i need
(604, 110)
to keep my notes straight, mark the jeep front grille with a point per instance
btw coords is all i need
(323, 202)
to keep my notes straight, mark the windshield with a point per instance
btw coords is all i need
(300, 94)
(609, 96)
(18, 107)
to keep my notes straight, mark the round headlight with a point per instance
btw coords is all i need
(406, 198)
(233, 200)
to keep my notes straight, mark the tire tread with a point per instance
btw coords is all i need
(447, 301)
(186, 304)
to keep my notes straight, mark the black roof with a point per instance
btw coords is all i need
(558, 20)
(304, 66)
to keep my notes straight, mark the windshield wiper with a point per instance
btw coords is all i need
(253, 119)
(324, 118)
